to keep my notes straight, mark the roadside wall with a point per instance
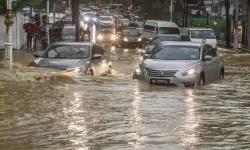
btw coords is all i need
(18, 33)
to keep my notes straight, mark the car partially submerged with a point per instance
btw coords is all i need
(83, 58)
(184, 63)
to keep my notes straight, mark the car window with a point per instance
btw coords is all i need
(97, 50)
(168, 30)
(69, 31)
(131, 32)
(211, 51)
(156, 41)
(176, 52)
(149, 28)
(67, 51)
(203, 34)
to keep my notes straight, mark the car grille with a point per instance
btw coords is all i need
(161, 73)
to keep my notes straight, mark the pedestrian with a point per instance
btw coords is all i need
(29, 39)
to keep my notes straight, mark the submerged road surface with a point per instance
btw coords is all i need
(118, 113)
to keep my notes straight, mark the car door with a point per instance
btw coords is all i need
(207, 64)
(215, 63)
(100, 66)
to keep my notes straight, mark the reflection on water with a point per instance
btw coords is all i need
(191, 119)
(116, 112)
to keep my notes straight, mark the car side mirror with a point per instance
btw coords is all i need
(37, 55)
(97, 56)
(208, 58)
(145, 56)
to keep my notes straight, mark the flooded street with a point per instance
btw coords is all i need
(118, 113)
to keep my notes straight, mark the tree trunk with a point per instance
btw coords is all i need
(228, 25)
(133, 6)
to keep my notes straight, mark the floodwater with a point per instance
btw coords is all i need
(118, 113)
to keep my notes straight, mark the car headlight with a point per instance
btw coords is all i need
(214, 46)
(139, 39)
(125, 39)
(113, 37)
(86, 18)
(76, 69)
(189, 72)
(138, 70)
(95, 19)
(100, 37)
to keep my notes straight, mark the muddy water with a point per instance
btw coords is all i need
(115, 112)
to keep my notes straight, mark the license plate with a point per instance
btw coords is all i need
(160, 81)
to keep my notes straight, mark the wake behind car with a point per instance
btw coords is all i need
(85, 58)
(106, 35)
(128, 36)
(185, 63)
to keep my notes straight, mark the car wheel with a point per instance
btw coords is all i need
(202, 79)
(222, 74)
(110, 70)
(90, 73)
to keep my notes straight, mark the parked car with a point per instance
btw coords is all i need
(147, 48)
(84, 58)
(186, 63)
(128, 36)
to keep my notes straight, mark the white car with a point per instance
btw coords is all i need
(86, 10)
(203, 35)
(105, 21)
(186, 63)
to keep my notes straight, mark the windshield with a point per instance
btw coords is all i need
(176, 52)
(105, 18)
(168, 30)
(203, 34)
(170, 38)
(131, 32)
(86, 10)
(67, 51)
(106, 31)
(91, 15)
(69, 31)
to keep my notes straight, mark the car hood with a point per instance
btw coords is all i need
(102, 21)
(155, 64)
(208, 41)
(57, 63)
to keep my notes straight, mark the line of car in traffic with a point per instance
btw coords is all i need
(167, 57)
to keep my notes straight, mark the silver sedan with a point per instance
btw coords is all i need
(185, 63)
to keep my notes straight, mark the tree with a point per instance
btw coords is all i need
(228, 27)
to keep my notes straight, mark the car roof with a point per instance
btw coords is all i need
(73, 43)
(168, 35)
(182, 43)
(193, 28)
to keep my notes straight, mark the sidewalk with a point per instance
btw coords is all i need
(242, 48)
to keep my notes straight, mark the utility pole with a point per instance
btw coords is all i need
(77, 3)
(171, 10)
(236, 26)
(47, 22)
(73, 6)
(8, 44)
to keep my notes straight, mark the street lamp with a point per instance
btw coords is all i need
(8, 44)
(207, 10)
